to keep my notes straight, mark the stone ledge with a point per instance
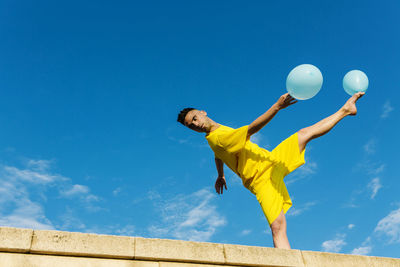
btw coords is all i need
(259, 256)
(138, 251)
(35, 260)
(79, 244)
(15, 239)
(179, 251)
(316, 259)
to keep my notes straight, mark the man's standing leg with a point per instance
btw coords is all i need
(278, 229)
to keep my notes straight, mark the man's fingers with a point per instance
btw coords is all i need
(219, 186)
(291, 102)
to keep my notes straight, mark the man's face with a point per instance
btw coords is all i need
(197, 120)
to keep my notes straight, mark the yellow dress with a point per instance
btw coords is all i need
(262, 171)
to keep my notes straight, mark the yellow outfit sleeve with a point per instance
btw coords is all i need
(233, 141)
(226, 143)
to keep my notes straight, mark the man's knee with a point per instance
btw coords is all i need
(278, 227)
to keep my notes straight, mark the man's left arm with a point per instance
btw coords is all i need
(220, 183)
(283, 102)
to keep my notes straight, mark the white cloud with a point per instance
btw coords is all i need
(27, 214)
(82, 192)
(23, 194)
(260, 140)
(245, 232)
(295, 211)
(92, 198)
(115, 229)
(256, 138)
(350, 205)
(70, 220)
(268, 231)
(192, 217)
(30, 175)
(127, 230)
(152, 195)
(116, 191)
(17, 208)
(374, 185)
(334, 245)
(369, 147)
(302, 172)
(190, 140)
(351, 226)
(76, 189)
(390, 226)
(362, 250)
(354, 202)
(370, 167)
(375, 170)
(386, 109)
(39, 165)
(309, 168)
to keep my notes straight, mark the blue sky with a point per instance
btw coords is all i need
(90, 91)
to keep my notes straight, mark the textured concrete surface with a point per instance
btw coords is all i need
(176, 250)
(34, 248)
(333, 259)
(15, 239)
(248, 256)
(316, 259)
(185, 264)
(79, 244)
(383, 262)
(28, 260)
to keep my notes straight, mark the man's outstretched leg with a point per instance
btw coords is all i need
(324, 126)
(278, 228)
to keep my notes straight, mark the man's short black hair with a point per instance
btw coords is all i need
(182, 115)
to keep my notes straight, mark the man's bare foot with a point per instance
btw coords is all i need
(350, 106)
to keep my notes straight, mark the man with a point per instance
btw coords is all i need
(262, 171)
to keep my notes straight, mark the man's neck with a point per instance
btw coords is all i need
(214, 126)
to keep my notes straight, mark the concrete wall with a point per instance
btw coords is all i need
(34, 248)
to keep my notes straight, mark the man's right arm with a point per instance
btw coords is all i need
(283, 102)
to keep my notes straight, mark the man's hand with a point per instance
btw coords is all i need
(285, 101)
(219, 184)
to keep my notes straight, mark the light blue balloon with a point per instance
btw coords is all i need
(355, 81)
(304, 81)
